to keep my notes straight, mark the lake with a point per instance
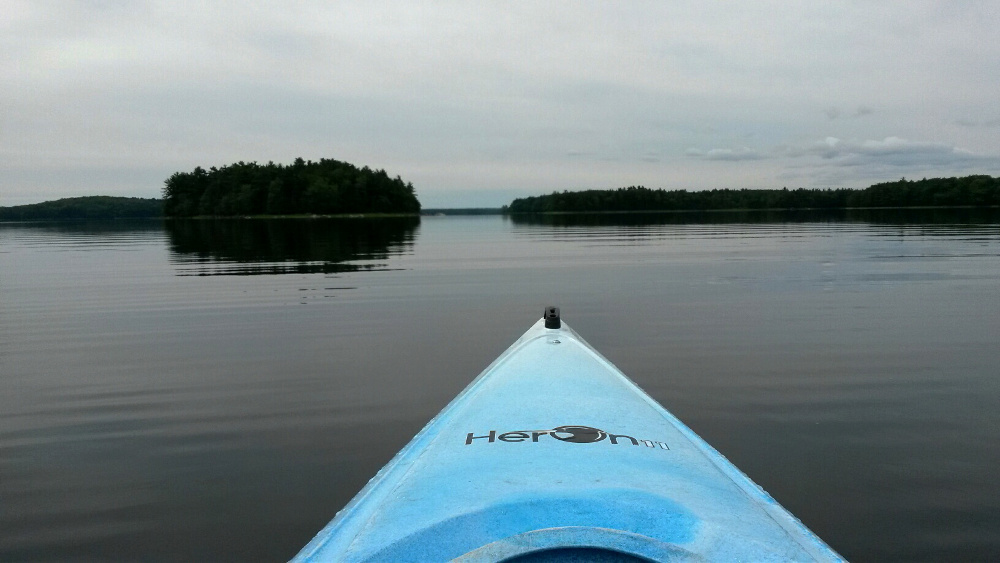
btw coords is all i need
(218, 390)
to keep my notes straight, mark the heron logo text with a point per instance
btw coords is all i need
(571, 433)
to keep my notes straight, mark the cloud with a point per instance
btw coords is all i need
(989, 123)
(834, 112)
(893, 151)
(650, 156)
(733, 155)
(836, 162)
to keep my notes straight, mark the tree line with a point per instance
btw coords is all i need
(88, 207)
(327, 187)
(975, 191)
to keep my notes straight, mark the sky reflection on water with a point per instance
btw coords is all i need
(157, 403)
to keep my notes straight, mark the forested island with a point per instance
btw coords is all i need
(88, 207)
(976, 191)
(327, 187)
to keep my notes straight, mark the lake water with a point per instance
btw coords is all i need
(217, 390)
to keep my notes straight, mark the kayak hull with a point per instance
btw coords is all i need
(552, 449)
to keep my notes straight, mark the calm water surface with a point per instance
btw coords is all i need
(217, 390)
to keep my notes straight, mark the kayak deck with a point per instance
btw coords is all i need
(550, 451)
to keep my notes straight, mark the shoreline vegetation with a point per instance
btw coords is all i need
(86, 207)
(326, 187)
(969, 191)
(332, 189)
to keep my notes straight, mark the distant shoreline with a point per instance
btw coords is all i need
(483, 212)
(751, 210)
(348, 201)
(974, 191)
(84, 208)
(462, 211)
(7, 217)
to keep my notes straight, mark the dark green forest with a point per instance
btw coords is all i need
(327, 187)
(89, 207)
(975, 191)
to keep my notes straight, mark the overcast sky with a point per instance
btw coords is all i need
(480, 102)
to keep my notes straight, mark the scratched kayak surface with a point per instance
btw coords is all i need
(553, 454)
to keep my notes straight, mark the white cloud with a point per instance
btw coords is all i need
(857, 163)
(737, 154)
(975, 123)
(833, 113)
(892, 151)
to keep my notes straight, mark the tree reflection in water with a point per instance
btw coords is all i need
(216, 247)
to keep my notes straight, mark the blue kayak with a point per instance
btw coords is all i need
(552, 454)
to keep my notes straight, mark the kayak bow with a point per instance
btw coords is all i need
(553, 454)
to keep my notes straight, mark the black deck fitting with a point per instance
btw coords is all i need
(551, 317)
